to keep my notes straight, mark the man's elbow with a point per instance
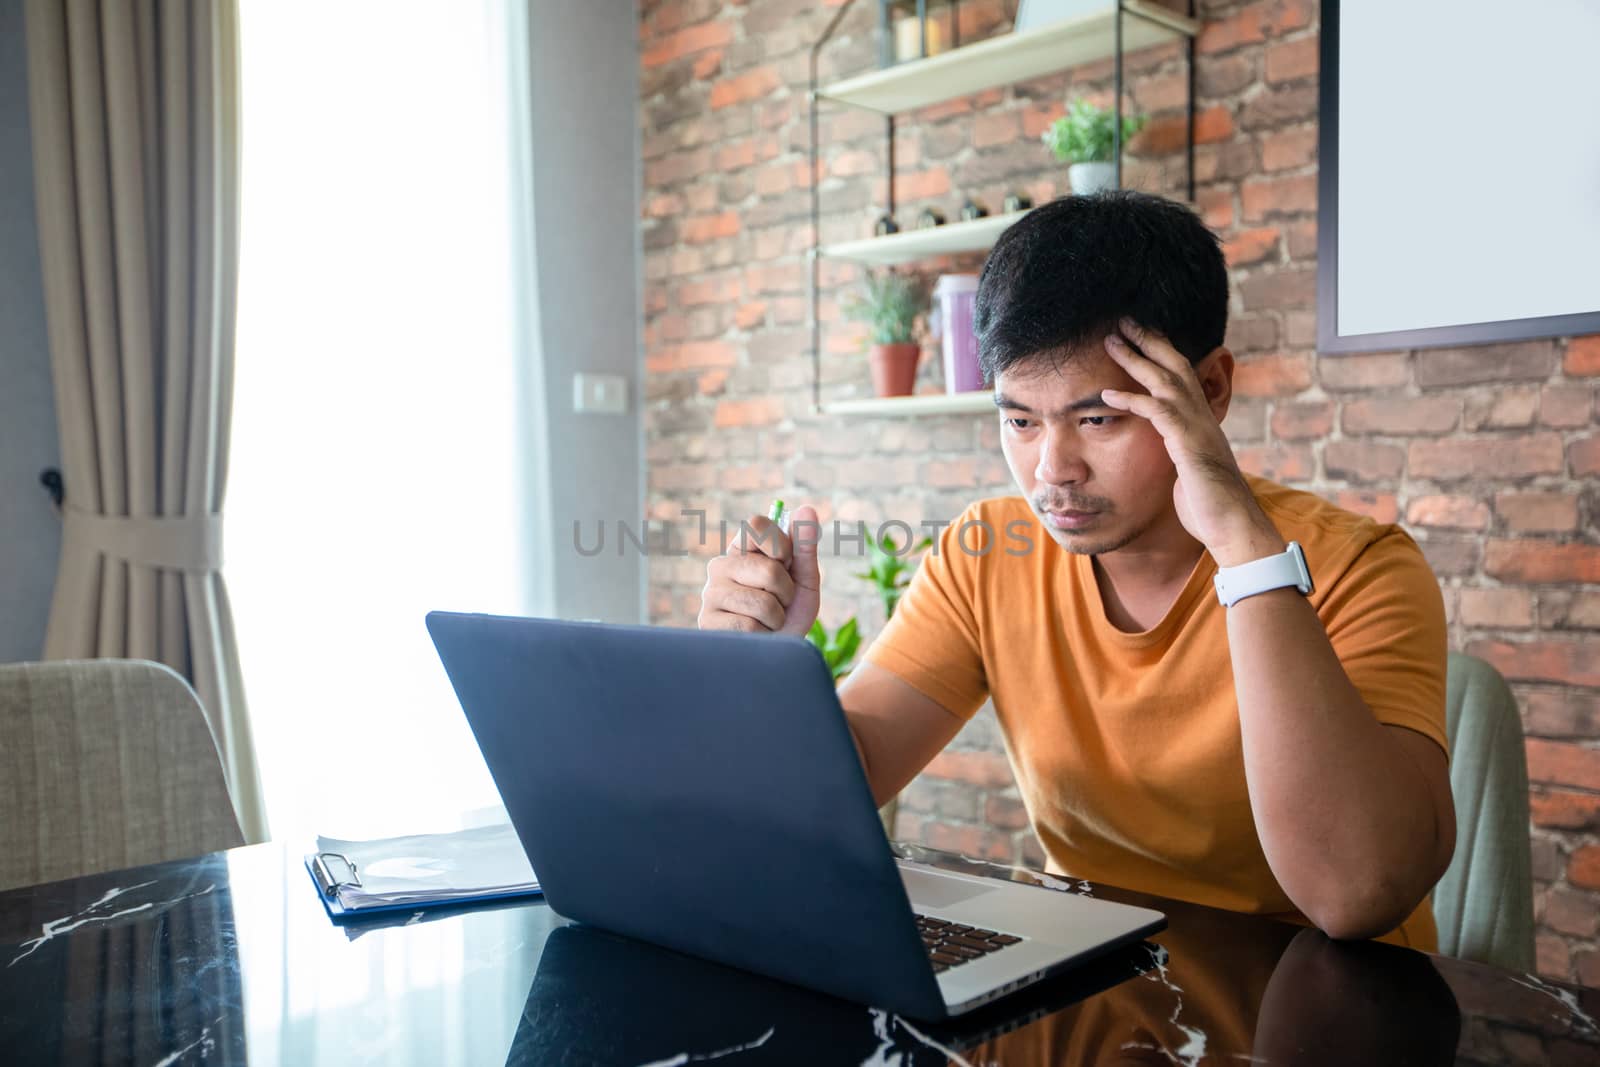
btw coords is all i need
(1361, 910)
(1358, 908)
(1357, 921)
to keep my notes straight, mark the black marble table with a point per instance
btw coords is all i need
(230, 958)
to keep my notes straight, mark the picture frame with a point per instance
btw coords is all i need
(1390, 194)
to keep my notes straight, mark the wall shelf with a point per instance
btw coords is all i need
(925, 404)
(909, 246)
(1010, 57)
(1111, 31)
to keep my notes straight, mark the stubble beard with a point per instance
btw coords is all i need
(1084, 545)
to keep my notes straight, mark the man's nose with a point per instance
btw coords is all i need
(1059, 460)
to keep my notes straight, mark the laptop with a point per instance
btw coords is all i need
(701, 791)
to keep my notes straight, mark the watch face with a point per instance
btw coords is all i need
(1306, 587)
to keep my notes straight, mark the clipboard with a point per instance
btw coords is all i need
(422, 872)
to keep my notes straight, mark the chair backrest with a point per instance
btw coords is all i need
(1484, 903)
(106, 764)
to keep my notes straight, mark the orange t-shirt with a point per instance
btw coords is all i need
(1126, 746)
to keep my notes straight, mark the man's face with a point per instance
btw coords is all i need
(1098, 479)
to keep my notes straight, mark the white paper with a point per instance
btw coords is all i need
(433, 868)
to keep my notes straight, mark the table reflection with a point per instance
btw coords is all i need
(439, 987)
(1205, 994)
(128, 970)
(231, 959)
(601, 998)
(1295, 998)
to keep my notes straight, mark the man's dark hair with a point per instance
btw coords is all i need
(1064, 274)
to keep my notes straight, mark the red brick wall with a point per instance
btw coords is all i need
(1487, 454)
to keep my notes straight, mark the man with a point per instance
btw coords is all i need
(1283, 755)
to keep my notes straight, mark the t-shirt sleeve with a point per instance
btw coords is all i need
(933, 641)
(1385, 620)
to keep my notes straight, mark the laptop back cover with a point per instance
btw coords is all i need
(697, 790)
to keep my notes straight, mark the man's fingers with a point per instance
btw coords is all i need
(756, 571)
(1146, 345)
(1155, 347)
(1188, 441)
(725, 620)
(765, 577)
(758, 605)
(1160, 413)
(760, 534)
(1160, 380)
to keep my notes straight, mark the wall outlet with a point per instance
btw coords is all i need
(600, 394)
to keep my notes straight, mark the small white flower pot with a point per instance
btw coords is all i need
(1090, 178)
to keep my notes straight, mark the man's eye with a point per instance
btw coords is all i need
(1098, 420)
(1017, 424)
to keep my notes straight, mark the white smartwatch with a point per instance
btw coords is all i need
(1285, 570)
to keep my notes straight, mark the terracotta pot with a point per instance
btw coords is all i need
(894, 368)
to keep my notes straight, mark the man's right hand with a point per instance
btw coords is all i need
(764, 581)
(768, 583)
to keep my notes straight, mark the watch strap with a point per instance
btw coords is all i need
(1287, 569)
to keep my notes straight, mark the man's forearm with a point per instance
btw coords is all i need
(1353, 816)
(896, 729)
(866, 768)
(1346, 817)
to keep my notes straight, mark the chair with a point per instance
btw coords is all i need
(1484, 903)
(107, 764)
(887, 813)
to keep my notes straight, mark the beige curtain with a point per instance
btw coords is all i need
(135, 113)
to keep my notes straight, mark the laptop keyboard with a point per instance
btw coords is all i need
(952, 944)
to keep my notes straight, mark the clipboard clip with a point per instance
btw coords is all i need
(330, 883)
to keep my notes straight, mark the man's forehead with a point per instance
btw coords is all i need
(1087, 402)
(1071, 382)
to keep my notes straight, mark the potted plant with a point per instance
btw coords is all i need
(889, 569)
(1084, 138)
(889, 303)
(838, 648)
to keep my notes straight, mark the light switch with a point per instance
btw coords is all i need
(600, 394)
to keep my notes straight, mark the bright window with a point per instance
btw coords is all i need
(375, 452)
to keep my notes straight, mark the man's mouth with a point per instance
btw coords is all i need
(1070, 518)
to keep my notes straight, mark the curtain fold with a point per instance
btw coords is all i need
(135, 113)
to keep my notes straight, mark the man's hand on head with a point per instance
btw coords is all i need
(1213, 500)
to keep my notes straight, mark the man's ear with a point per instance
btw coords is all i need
(1216, 380)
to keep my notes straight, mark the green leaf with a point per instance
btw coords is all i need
(838, 649)
(1085, 133)
(889, 303)
(849, 639)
